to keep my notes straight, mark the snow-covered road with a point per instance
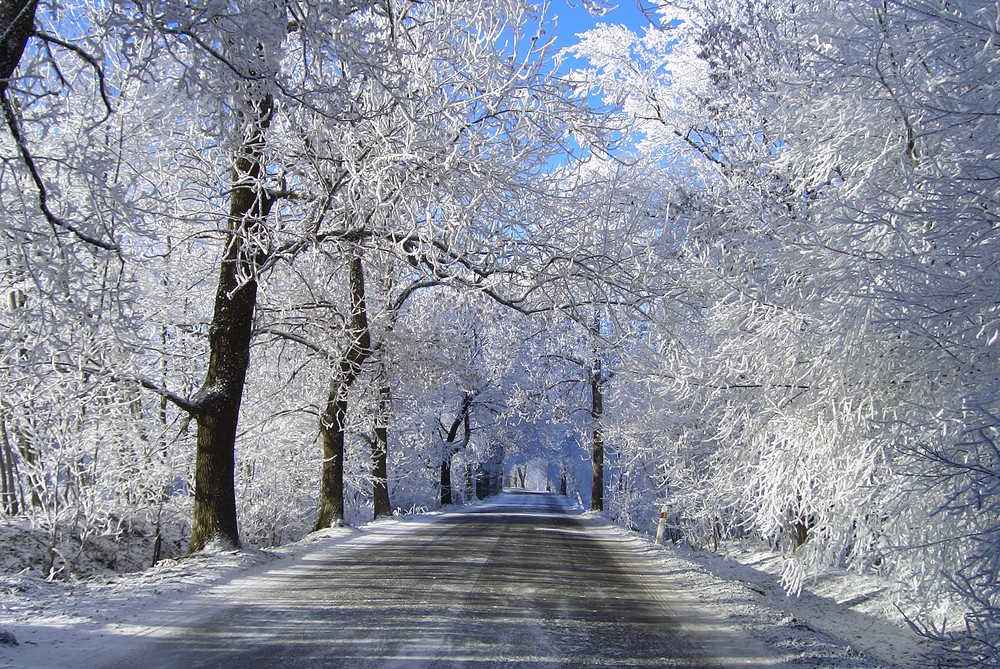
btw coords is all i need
(523, 580)
(519, 580)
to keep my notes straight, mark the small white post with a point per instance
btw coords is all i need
(661, 527)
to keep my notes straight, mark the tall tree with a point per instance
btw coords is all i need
(452, 445)
(333, 421)
(381, 504)
(216, 406)
(597, 432)
(241, 53)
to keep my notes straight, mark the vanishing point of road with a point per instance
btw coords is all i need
(522, 580)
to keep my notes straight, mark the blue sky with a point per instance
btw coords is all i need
(573, 20)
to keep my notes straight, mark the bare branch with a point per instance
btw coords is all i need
(298, 339)
(183, 403)
(43, 197)
(90, 60)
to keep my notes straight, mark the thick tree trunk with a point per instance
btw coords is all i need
(334, 420)
(596, 411)
(446, 480)
(332, 430)
(217, 403)
(380, 454)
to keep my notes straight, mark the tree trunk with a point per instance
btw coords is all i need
(332, 424)
(446, 480)
(494, 472)
(217, 403)
(13, 501)
(17, 22)
(380, 454)
(451, 448)
(481, 483)
(596, 410)
(334, 420)
(7, 472)
(29, 456)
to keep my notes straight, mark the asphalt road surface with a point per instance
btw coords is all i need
(521, 581)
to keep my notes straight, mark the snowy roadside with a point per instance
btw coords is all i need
(849, 607)
(836, 621)
(52, 620)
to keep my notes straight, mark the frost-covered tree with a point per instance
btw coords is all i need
(50, 53)
(80, 460)
(427, 173)
(834, 344)
(267, 75)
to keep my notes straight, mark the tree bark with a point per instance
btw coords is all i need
(17, 24)
(380, 453)
(8, 485)
(596, 411)
(495, 486)
(451, 448)
(333, 422)
(481, 483)
(217, 403)
(29, 455)
(445, 481)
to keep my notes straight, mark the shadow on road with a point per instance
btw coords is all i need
(521, 581)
